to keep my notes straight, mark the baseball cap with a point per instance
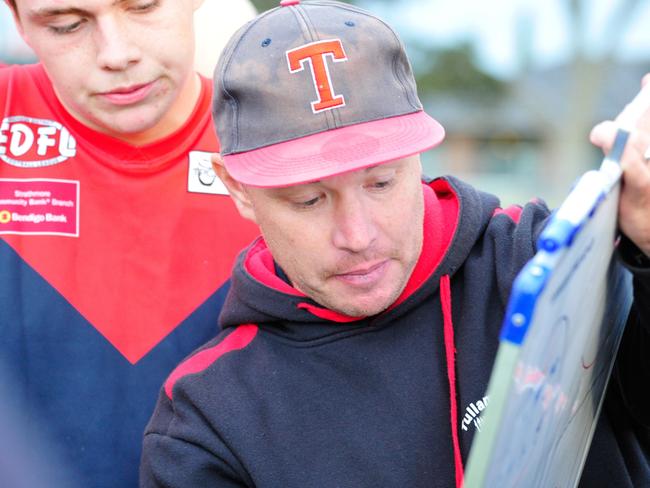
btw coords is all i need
(312, 89)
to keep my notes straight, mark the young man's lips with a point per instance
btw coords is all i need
(128, 95)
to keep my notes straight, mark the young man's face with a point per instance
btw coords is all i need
(351, 241)
(123, 67)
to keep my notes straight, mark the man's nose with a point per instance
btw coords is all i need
(354, 226)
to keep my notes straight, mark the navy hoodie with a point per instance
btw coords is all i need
(291, 395)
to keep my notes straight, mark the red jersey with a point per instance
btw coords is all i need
(106, 250)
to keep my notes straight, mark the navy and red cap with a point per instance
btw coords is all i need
(313, 89)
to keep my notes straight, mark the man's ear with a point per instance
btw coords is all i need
(237, 191)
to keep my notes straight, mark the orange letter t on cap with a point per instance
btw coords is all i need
(315, 53)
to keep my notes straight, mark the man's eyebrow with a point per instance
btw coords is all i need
(365, 170)
(387, 164)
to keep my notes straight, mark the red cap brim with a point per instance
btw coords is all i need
(336, 151)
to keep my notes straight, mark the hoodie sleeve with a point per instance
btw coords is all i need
(181, 450)
(511, 238)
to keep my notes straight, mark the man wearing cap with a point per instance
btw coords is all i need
(368, 315)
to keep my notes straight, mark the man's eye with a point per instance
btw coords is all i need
(309, 203)
(382, 184)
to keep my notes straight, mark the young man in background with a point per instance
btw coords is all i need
(116, 236)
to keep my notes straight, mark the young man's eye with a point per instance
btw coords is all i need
(144, 6)
(66, 28)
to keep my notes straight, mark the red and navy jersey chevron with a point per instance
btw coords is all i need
(115, 262)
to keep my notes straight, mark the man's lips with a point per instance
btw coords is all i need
(364, 275)
(129, 94)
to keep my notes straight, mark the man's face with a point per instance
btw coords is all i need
(122, 67)
(351, 241)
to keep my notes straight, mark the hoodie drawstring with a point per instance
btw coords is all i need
(450, 354)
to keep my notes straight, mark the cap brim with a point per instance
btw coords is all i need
(336, 151)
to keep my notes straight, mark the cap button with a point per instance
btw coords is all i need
(287, 3)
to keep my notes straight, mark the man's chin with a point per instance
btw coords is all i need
(360, 308)
(355, 303)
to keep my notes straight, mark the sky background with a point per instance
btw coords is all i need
(493, 27)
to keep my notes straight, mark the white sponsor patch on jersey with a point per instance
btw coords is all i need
(201, 178)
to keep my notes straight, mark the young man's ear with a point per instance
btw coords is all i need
(19, 26)
(235, 188)
(197, 4)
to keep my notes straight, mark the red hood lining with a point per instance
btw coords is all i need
(440, 220)
(260, 265)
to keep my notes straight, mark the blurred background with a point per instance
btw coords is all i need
(517, 84)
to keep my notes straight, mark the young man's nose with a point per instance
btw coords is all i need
(115, 47)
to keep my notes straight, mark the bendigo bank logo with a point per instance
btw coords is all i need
(316, 54)
(27, 142)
